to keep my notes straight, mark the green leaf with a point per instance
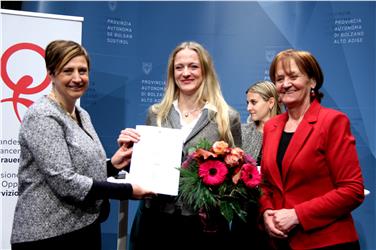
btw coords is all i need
(204, 144)
(241, 213)
(227, 210)
(194, 192)
(191, 150)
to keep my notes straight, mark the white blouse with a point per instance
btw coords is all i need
(186, 128)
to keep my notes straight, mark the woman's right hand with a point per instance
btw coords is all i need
(140, 193)
(122, 157)
(270, 226)
(127, 137)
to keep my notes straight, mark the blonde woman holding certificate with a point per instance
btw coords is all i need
(193, 103)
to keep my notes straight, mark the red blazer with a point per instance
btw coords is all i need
(321, 177)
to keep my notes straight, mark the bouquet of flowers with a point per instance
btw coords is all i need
(216, 177)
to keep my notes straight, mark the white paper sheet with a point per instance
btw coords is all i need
(156, 159)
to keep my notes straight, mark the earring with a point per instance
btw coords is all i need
(313, 93)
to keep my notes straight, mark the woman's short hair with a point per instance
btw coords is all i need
(59, 52)
(306, 63)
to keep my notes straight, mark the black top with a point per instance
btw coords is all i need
(283, 144)
(258, 160)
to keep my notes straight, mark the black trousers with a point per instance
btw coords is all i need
(250, 231)
(153, 229)
(283, 245)
(86, 238)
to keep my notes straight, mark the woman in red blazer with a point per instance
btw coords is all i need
(312, 176)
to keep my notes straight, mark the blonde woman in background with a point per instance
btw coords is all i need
(262, 104)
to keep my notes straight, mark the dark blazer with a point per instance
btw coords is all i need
(321, 177)
(206, 127)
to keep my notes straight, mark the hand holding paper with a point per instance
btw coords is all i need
(155, 159)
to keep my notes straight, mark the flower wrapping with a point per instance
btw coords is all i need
(217, 177)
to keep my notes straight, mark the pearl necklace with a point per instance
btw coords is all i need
(72, 115)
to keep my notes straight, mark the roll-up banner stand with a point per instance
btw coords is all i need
(24, 36)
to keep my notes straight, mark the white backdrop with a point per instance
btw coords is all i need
(24, 36)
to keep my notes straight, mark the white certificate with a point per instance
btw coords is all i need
(156, 159)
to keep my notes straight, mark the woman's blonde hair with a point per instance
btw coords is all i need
(267, 90)
(209, 91)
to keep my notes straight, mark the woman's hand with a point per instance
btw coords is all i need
(128, 137)
(139, 192)
(285, 219)
(122, 157)
(270, 225)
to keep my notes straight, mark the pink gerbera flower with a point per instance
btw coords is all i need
(250, 175)
(212, 172)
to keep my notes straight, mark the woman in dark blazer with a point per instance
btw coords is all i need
(312, 176)
(193, 103)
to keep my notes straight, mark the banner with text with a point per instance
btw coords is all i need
(23, 80)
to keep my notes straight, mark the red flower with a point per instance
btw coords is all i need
(250, 175)
(212, 172)
(234, 157)
(232, 160)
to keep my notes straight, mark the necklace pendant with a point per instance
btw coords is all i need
(186, 115)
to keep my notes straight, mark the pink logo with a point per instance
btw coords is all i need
(21, 86)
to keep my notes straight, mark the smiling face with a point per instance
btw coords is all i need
(187, 71)
(258, 108)
(71, 82)
(293, 86)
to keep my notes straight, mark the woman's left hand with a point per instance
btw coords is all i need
(128, 137)
(285, 219)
